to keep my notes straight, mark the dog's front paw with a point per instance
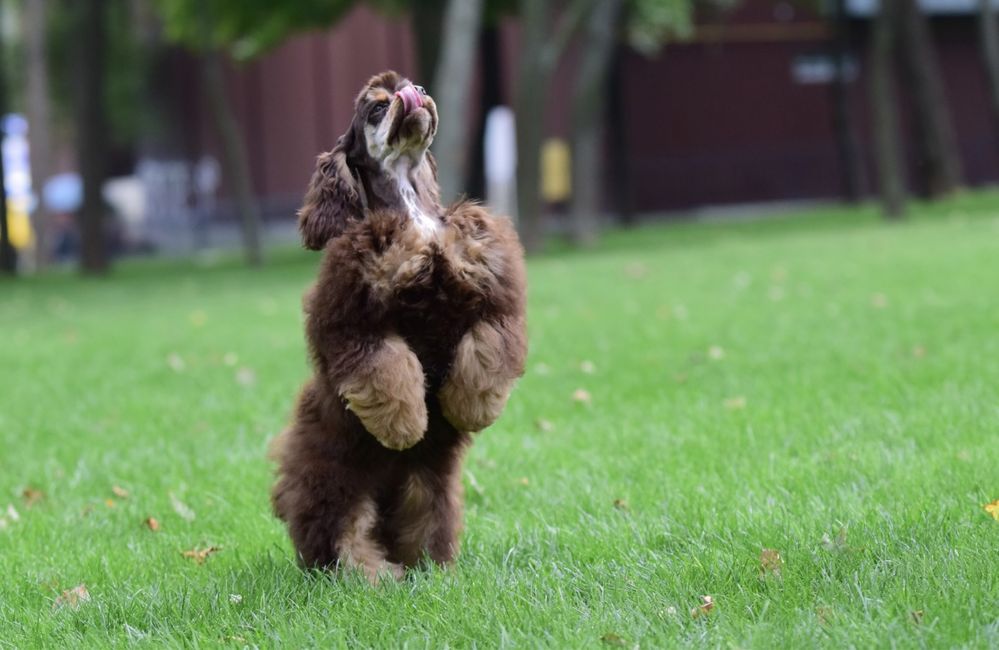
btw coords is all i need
(480, 380)
(388, 396)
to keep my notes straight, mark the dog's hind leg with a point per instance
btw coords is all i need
(442, 547)
(357, 548)
(426, 519)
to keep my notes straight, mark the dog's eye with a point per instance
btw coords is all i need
(378, 110)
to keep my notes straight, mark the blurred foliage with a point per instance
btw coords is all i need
(650, 23)
(246, 28)
(127, 61)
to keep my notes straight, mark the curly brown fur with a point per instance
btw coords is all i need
(416, 332)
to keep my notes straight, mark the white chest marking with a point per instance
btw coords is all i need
(427, 225)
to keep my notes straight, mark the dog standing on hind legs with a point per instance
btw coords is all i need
(416, 331)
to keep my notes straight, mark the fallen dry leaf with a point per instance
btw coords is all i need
(109, 503)
(32, 496)
(917, 616)
(200, 555)
(735, 403)
(120, 492)
(993, 509)
(523, 480)
(544, 426)
(825, 614)
(705, 608)
(770, 563)
(181, 508)
(614, 640)
(72, 597)
(152, 524)
(621, 504)
(582, 396)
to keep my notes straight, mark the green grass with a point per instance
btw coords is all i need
(856, 396)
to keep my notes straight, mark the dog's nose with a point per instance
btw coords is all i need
(411, 98)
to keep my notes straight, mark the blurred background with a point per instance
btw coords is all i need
(165, 127)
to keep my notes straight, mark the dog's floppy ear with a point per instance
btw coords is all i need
(332, 200)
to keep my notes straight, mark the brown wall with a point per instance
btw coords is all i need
(718, 119)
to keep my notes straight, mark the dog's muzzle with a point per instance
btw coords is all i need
(411, 99)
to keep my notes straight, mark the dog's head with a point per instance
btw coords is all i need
(381, 162)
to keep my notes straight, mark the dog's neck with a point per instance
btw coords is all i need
(396, 184)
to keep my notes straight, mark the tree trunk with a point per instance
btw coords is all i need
(490, 96)
(38, 104)
(235, 165)
(92, 133)
(844, 122)
(8, 256)
(988, 31)
(939, 162)
(452, 86)
(530, 108)
(620, 169)
(428, 25)
(589, 102)
(884, 110)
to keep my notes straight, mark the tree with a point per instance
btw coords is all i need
(8, 256)
(884, 109)
(38, 106)
(234, 157)
(939, 163)
(243, 29)
(540, 50)
(844, 121)
(213, 28)
(452, 87)
(646, 25)
(588, 109)
(988, 31)
(91, 131)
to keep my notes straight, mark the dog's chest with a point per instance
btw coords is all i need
(429, 302)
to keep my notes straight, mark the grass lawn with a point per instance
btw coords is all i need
(824, 387)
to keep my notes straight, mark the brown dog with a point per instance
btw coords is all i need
(417, 334)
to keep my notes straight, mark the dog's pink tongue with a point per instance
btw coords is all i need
(411, 99)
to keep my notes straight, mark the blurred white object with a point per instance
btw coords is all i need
(501, 161)
(63, 192)
(127, 197)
